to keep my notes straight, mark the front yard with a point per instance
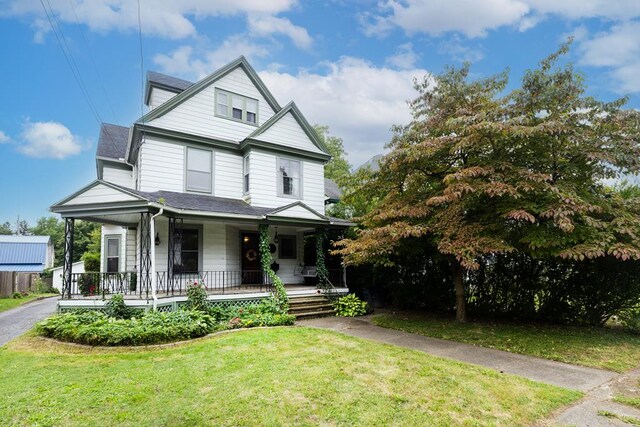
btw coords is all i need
(276, 376)
(8, 303)
(605, 348)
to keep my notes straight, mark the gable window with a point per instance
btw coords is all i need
(236, 107)
(112, 245)
(287, 247)
(199, 165)
(289, 173)
(187, 251)
(246, 173)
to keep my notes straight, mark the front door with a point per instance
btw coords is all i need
(251, 271)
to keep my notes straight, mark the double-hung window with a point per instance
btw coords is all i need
(199, 170)
(245, 184)
(289, 177)
(112, 245)
(236, 107)
(187, 251)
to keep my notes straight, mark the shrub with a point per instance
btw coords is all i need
(97, 328)
(350, 306)
(117, 309)
(17, 295)
(91, 261)
(630, 319)
(44, 287)
(197, 297)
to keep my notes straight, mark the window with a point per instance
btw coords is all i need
(289, 177)
(246, 174)
(199, 170)
(187, 251)
(287, 247)
(236, 107)
(112, 245)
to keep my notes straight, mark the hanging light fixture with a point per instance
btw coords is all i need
(275, 239)
(157, 239)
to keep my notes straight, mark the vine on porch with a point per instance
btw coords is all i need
(280, 294)
(321, 268)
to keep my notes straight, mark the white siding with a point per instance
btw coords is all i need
(228, 175)
(213, 244)
(288, 132)
(100, 194)
(161, 166)
(118, 176)
(233, 248)
(196, 115)
(159, 97)
(263, 179)
(131, 250)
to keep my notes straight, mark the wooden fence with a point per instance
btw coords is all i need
(11, 282)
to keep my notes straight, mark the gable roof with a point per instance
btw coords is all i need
(292, 108)
(163, 81)
(331, 189)
(113, 141)
(24, 253)
(200, 85)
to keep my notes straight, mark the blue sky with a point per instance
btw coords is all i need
(347, 64)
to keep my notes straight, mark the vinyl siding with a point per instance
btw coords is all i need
(131, 250)
(228, 175)
(161, 166)
(213, 243)
(233, 248)
(100, 194)
(118, 176)
(114, 230)
(288, 132)
(159, 97)
(196, 115)
(263, 182)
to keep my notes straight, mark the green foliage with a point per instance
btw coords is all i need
(6, 229)
(338, 168)
(16, 295)
(350, 306)
(266, 313)
(321, 268)
(43, 287)
(89, 283)
(86, 235)
(197, 297)
(630, 319)
(91, 262)
(280, 293)
(97, 328)
(117, 309)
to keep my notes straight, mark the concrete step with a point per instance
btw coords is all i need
(306, 300)
(310, 307)
(312, 314)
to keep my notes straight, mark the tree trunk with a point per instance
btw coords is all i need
(461, 303)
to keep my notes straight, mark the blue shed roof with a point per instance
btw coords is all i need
(23, 253)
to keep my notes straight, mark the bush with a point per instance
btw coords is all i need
(267, 313)
(630, 319)
(197, 297)
(350, 306)
(45, 287)
(117, 309)
(97, 328)
(91, 262)
(17, 295)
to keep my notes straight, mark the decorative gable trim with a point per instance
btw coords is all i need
(197, 87)
(302, 121)
(281, 211)
(128, 195)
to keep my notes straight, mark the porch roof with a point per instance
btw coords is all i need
(107, 202)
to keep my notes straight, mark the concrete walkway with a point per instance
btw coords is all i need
(19, 320)
(546, 371)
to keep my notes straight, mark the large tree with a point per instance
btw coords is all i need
(86, 236)
(480, 172)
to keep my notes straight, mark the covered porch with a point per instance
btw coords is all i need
(155, 245)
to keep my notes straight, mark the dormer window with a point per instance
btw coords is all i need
(236, 107)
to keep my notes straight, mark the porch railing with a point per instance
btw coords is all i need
(214, 281)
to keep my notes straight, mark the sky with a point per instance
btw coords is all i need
(67, 65)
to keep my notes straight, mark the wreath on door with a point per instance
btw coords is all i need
(252, 255)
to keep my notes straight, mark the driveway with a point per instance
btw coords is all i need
(17, 321)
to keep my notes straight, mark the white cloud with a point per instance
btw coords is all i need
(474, 18)
(357, 100)
(619, 50)
(455, 48)
(266, 25)
(49, 140)
(404, 58)
(164, 18)
(4, 138)
(191, 63)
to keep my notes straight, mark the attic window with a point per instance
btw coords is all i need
(236, 107)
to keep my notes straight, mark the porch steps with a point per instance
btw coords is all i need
(306, 307)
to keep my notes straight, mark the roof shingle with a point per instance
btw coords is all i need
(112, 142)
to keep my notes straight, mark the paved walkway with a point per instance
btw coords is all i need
(19, 320)
(546, 371)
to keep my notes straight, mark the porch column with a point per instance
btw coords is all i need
(174, 239)
(67, 265)
(145, 253)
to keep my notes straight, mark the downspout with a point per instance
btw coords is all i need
(152, 227)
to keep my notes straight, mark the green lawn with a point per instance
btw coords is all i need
(9, 303)
(275, 376)
(605, 348)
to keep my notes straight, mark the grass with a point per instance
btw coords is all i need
(274, 376)
(8, 303)
(605, 348)
(624, 418)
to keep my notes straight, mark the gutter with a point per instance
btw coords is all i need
(152, 230)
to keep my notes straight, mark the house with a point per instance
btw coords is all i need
(182, 192)
(56, 273)
(22, 258)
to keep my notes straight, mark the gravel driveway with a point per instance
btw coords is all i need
(17, 321)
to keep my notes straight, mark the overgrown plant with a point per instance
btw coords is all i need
(350, 306)
(197, 297)
(117, 309)
(279, 294)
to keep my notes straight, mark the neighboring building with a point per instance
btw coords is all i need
(78, 268)
(373, 163)
(22, 258)
(182, 191)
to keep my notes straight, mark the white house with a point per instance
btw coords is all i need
(181, 193)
